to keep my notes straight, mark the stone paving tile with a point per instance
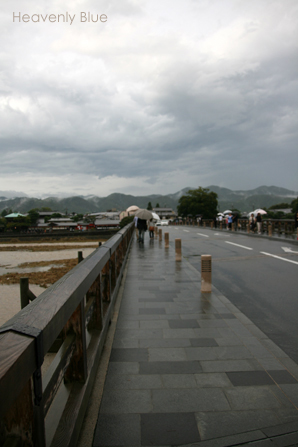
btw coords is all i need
(170, 367)
(189, 369)
(117, 401)
(152, 311)
(213, 380)
(129, 355)
(183, 324)
(154, 324)
(167, 354)
(179, 380)
(189, 400)
(134, 382)
(168, 429)
(250, 378)
(229, 365)
(118, 430)
(220, 424)
(203, 342)
(252, 398)
(165, 343)
(282, 377)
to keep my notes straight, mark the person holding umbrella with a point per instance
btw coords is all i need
(143, 215)
(259, 222)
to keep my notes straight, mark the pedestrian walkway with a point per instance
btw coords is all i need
(189, 369)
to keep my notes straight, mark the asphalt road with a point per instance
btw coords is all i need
(256, 274)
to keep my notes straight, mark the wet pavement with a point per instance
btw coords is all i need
(189, 369)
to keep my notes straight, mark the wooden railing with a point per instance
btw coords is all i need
(43, 409)
(271, 227)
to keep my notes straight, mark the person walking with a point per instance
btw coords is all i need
(135, 219)
(151, 225)
(235, 221)
(259, 223)
(252, 222)
(142, 227)
(230, 221)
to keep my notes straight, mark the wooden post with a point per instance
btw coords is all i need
(178, 250)
(80, 256)
(206, 283)
(270, 230)
(24, 287)
(166, 240)
(160, 234)
(25, 293)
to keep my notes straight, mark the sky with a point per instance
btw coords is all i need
(150, 97)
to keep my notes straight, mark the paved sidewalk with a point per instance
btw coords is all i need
(189, 369)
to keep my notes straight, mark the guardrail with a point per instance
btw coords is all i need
(47, 409)
(271, 227)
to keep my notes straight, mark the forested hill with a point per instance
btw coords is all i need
(263, 196)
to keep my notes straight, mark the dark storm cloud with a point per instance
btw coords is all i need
(150, 99)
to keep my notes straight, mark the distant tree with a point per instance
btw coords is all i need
(77, 217)
(149, 206)
(33, 216)
(90, 219)
(6, 212)
(46, 209)
(294, 205)
(280, 206)
(198, 201)
(52, 216)
(157, 205)
(21, 223)
(125, 221)
(56, 215)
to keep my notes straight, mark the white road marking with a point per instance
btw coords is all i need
(278, 257)
(200, 234)
(237, 245)
(288, 250)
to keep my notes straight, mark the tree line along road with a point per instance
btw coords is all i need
(259, 276)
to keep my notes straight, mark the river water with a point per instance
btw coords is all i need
(10, 261)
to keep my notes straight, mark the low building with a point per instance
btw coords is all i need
(165, 213)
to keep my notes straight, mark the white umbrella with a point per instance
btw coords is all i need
(259, 210)
(144, 214)
(220, 214)
(227, 212)
(155, 216)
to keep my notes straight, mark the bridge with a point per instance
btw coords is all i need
(185, 367)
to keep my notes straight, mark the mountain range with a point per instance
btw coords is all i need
(261, 197)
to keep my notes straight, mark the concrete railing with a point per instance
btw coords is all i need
(45, 409)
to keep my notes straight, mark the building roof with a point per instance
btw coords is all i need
(15, 215)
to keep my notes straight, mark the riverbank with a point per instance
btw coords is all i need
(43, 263)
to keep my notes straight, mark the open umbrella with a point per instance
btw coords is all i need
(155, 216)
(259, 210)
(227, 212)
(144, 214)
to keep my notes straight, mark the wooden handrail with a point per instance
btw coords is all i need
(80, 302)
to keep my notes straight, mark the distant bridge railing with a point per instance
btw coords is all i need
(271, 227)
(47, 409)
